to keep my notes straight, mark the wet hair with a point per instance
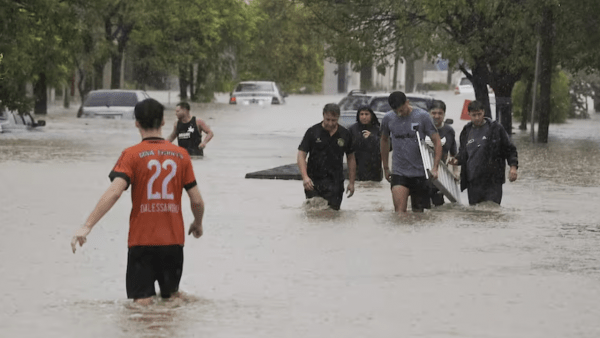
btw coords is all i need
(332, 108)
(149, 114)
(438, 104)
(396, 99)
(475, 106)
(374, 119)
(183, 105)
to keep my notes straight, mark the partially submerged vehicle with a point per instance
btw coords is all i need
(13, 121)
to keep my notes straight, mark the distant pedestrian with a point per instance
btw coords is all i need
(325, 144)
(366, 143)
(408, 173)
(158, 172)
(448, 140)
(485, 147)
(188, 131)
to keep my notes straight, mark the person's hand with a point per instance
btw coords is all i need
(202, 145)
(308, 184)
(434, 173)
(512, 174)
(196, 229)
(387, 174)
(350, 189)
(80, 237)
(366, 133)
(453, 161)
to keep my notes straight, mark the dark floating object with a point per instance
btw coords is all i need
(284, 172)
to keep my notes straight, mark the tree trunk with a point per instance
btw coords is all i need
(449, 75)
(480, 80)
(183, 83)
(41, 95)
(546, 68)
(193, 96)
(409, 79)
(115, 74)
(66, 97)
(504, 82)
(342, 84)
(366, 77)
(395, 78)
(526, 106)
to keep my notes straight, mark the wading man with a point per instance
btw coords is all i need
(188, 131)
(325, 143)
(484, 150)
(407, 176)
(157, 171)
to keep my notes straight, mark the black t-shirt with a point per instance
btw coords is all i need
(450, 145)
(325, 152)
(189, 137)
(476, 148)
(367, 152)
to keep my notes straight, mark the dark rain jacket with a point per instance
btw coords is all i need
(499, 150)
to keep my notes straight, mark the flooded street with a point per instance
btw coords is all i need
(269, 266)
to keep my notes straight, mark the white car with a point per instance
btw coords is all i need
(464, 86)
(113, 103)
(13, 121)
(257, 92)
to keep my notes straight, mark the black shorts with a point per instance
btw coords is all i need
(418, 190)
(330, 190)
(147, 264)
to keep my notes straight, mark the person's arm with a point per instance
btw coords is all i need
(510, 154)
(351, 173)
(173, 135)
(206, 129)
(384, 149)
(106, 202)
(437, 151)
(302, 166)
(197, 205)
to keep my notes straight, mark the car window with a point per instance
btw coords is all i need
(119, 99)
(380, 104)
(419, 102)
(353, 102)
(465, 82)
(254, 87)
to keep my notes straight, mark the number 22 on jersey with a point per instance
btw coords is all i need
(169, 165)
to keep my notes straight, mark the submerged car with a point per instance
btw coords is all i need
(257, 92)
(378, 102)
(114, 103)
(13, 121)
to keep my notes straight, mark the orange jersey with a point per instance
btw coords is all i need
(158, 171)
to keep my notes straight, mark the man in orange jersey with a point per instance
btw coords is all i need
(158, 171)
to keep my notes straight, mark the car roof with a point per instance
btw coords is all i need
(117, 91)
(255, 82)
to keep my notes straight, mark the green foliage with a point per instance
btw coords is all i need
(282, 47)
(560, 100)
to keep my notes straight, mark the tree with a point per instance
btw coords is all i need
(282, 48)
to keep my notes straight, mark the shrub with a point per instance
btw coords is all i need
(560, 99)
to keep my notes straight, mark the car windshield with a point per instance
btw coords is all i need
(465, 82)
(353, 102)
(380, 104)
(419, 102)
(254, 87)
(108, 99)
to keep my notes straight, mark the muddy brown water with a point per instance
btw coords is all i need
(269, 265)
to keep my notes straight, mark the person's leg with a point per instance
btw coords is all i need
(493, 192)
(419, 194)
(400, 192)
(477, 192)
(169, 267)
(436, 196)
(140, 275)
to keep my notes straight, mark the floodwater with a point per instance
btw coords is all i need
(270, 266)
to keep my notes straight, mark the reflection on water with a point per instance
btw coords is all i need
(272, 264)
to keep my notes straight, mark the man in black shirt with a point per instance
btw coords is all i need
(484, 150)
(188, 131)
(326, 142)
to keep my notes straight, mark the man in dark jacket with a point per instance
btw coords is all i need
(484, 150)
